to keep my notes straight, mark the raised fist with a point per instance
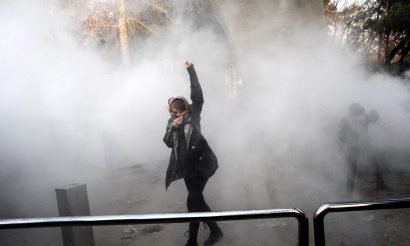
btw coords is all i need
(188, 63)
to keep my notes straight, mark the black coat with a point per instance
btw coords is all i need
(193, 157)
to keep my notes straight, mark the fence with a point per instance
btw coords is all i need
(303, 225)
(318, 219)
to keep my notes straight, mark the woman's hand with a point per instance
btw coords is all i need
(178, 121)
(188, 63)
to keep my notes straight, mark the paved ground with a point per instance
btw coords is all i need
(125, 192)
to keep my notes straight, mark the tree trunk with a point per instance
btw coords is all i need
(379, 34)
(123, 32)
(386, 44)
(396, 49)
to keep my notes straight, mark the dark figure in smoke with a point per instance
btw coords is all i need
(354, 136)
(191, 157)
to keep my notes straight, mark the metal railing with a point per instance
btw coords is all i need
(303, 228)
(318, 219)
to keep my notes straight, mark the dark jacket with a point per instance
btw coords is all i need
(193, 157)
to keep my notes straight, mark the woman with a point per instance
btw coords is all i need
(191, 157)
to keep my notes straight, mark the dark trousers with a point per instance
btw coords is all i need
(196, 203)
(352, 160)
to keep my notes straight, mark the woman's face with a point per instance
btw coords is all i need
(177, 112)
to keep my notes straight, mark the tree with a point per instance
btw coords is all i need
(378, 28)
(394, 25)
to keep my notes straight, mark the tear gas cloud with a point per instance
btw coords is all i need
(276, 142)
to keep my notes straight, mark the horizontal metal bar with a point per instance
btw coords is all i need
(162, 219)
(318, 219)
(144, 218)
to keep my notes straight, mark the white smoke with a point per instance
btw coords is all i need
(61, 102)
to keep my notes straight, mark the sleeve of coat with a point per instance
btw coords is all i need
(197, 96)
(168, 135)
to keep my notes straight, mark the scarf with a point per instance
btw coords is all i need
(188, 129)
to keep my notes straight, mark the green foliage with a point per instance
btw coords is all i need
(398, 18)
(393, 16)
(378, 28)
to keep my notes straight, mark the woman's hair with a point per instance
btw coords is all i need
(178, 104)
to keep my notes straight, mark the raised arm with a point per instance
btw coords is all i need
(372, 117)
(196, 91)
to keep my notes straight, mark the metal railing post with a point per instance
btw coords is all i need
(303, 227)
(318, 219)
